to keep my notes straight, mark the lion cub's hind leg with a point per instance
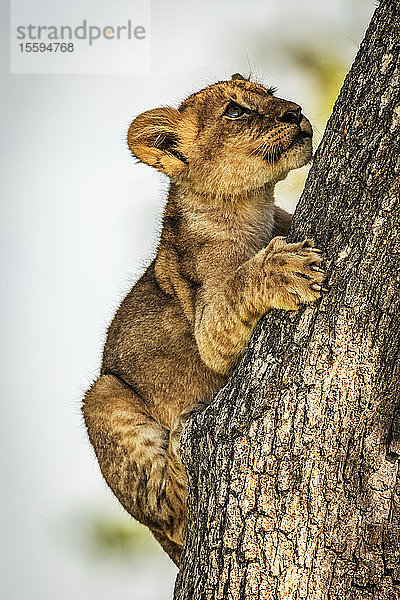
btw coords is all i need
(133, 453)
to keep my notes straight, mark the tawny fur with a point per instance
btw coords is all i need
(219, 267)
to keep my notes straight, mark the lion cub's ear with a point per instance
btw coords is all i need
(153, 139)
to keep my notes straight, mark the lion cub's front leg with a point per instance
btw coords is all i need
(283, 276)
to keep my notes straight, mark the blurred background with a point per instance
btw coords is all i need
(80, 220)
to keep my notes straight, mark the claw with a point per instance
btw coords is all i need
(316, 286)
(303, 275)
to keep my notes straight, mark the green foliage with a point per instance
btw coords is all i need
(111, 535)
(325, 70)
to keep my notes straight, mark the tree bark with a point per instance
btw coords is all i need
(294, 467)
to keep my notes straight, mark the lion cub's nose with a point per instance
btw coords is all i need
(291, 116)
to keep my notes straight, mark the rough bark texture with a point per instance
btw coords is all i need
(294, 468)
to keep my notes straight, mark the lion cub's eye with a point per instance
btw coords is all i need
(234, 111)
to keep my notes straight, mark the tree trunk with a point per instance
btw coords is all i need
(294, 467)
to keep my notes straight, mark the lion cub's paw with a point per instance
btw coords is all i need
(293, 275)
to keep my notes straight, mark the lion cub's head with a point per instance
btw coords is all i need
(228, 138)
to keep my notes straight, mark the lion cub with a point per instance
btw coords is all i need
(221, 263)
